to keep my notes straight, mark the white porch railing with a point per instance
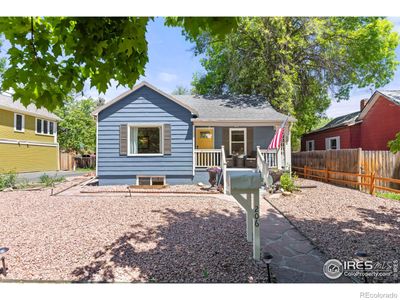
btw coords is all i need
(270, 157)
(223, 167)
(205, 158)
(262, 164)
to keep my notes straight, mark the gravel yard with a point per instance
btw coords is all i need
(199, 238)
(341, 220)
(177, 189)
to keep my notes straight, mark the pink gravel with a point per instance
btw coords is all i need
(122, 239)
(341, 221)
(178, 189)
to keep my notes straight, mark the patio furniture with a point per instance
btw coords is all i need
(250, 162)
(229, 162)
(240, 161)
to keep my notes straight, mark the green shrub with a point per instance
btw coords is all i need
(47, 180)
(392, 196)
(287, 182)
(8, 180)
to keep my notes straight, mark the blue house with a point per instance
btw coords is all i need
(148, 137)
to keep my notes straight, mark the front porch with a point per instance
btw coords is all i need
(234, 149)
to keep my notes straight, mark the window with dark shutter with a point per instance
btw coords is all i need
(123, 139)
(167, 138)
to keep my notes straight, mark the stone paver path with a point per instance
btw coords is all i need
(295, 259)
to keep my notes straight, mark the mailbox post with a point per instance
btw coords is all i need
(245, 188)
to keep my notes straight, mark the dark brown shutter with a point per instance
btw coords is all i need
(123, 139)
(167, 138)
(249, 136)
(225, 139)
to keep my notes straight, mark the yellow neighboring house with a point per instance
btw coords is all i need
(28, 138)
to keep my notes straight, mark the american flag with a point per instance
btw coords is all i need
(277, 139)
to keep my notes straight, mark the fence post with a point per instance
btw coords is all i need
(326, 175)
(372, 183)
(305, 172)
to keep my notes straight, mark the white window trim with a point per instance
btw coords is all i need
(151, 178)
(328, 144)
(312, 143)
(245, 139)
(15, 122)
(48, 127)
(146, 125)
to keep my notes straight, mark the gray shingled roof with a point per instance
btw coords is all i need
(345, 120)
(393, 95)
(232, 107)
(6, 102)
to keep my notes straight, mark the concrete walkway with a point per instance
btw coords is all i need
(295, 259)
(35, 176)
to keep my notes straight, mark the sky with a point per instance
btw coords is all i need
(172, 63)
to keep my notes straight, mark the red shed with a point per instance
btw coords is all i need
(371, 128)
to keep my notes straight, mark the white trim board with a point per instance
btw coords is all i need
(22, 122)
(244, 141)
(329, 139)
(18, 142)
(236, 123)
(146, 125)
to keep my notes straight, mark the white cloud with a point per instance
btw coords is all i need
(167, 77)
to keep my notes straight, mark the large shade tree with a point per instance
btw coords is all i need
(50, 57)
(77, 129)
(300, 64)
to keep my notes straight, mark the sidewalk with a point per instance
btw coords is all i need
(295, 259)
(35, 176)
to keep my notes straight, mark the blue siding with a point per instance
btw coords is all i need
(145, 106)
(262, 136)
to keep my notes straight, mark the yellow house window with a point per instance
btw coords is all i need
(44, 127)
(19, 122)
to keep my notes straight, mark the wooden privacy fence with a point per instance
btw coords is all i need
(351, 168)
(67, 161)
(86, 162)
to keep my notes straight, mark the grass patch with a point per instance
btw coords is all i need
(85, 169)
(8, 180)
(386, 195)
(47, 180)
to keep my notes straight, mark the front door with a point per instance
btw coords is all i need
(204, 138)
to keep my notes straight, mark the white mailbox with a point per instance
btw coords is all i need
(245, 188)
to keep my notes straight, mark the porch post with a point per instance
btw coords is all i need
(193, 146)
(288, 150)
(279, 156)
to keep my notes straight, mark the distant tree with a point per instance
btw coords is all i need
(181, 90)
(100, 102)
(321, 122)
(394, 145)
(299, 63)
(2, 64)
(77, 130)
